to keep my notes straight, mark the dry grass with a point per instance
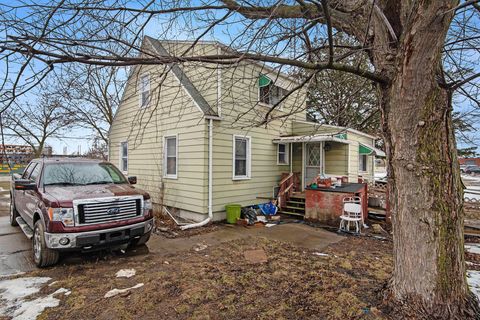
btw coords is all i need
(218, 283)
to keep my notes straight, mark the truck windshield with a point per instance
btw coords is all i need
(82, 174)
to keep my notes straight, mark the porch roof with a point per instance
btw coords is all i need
(310, 138)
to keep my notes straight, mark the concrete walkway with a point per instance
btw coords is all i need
(293, 233)
(15, 248)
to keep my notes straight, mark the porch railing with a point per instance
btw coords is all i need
(289, 184)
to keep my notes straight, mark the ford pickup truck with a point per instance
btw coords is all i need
(68, 204)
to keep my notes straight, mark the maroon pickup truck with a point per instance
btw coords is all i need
(66, 204)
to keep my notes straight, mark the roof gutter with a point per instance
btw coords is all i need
(210, 181)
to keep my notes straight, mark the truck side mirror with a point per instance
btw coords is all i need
(25, 184)
(132, 180)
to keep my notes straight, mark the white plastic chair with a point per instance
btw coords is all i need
(352, 214)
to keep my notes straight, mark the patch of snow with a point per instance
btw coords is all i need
(31, 309)
(472, 193)
(125, 273)
(200, 247)
(320, 254)
(115, 292)
(15, 294)
(381, 175)
(473, 248)
(11, 274)
(467, 179)
(14, 289)
(473, 280)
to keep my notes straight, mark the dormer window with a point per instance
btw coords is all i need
(144, 90)
(269, 93)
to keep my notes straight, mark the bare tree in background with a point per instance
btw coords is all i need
(35, 122)
(92, 95)
(423, 55)
(344, 99)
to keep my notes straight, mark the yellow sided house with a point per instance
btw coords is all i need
(194, 135)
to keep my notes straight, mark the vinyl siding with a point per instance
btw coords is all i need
(242, 115)
(336, 159)
(171, 111)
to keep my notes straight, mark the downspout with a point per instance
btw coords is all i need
(290, 156)
(210, 181)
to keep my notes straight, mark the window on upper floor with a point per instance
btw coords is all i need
(269, 93)
(144, 90)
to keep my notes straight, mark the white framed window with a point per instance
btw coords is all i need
(362, 162)
(170, 152)
(241, 157)
(124, 156)
(144, 98)
(283, 153)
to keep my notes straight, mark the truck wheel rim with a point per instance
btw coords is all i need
(11, 211)
(37, 244)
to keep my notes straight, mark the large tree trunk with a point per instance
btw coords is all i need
(425, 186)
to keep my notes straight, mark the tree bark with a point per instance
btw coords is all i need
(425, 189)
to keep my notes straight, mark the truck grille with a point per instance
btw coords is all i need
(95, 211)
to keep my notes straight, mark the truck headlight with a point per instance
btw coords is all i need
(147, 206)
(65, 215)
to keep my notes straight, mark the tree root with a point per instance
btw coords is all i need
(413, 308)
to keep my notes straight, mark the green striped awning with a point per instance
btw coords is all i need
(370, 151)
(263, 81)
(364, 150)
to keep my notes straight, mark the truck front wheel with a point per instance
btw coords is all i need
(42, 256)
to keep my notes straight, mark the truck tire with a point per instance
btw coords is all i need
(13, 212)
(42, 256)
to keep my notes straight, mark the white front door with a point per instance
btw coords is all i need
(313, 160)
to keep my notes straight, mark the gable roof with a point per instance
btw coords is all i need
(185, 82)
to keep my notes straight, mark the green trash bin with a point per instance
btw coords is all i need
(233, 212)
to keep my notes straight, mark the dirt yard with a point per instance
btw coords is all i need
(342, 282)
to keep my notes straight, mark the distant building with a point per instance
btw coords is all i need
(15, 153)
(469, 161)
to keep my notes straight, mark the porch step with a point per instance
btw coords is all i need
(292, 213)
(295, 209)
(298, 195)
(297, 199)
(299, 203)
